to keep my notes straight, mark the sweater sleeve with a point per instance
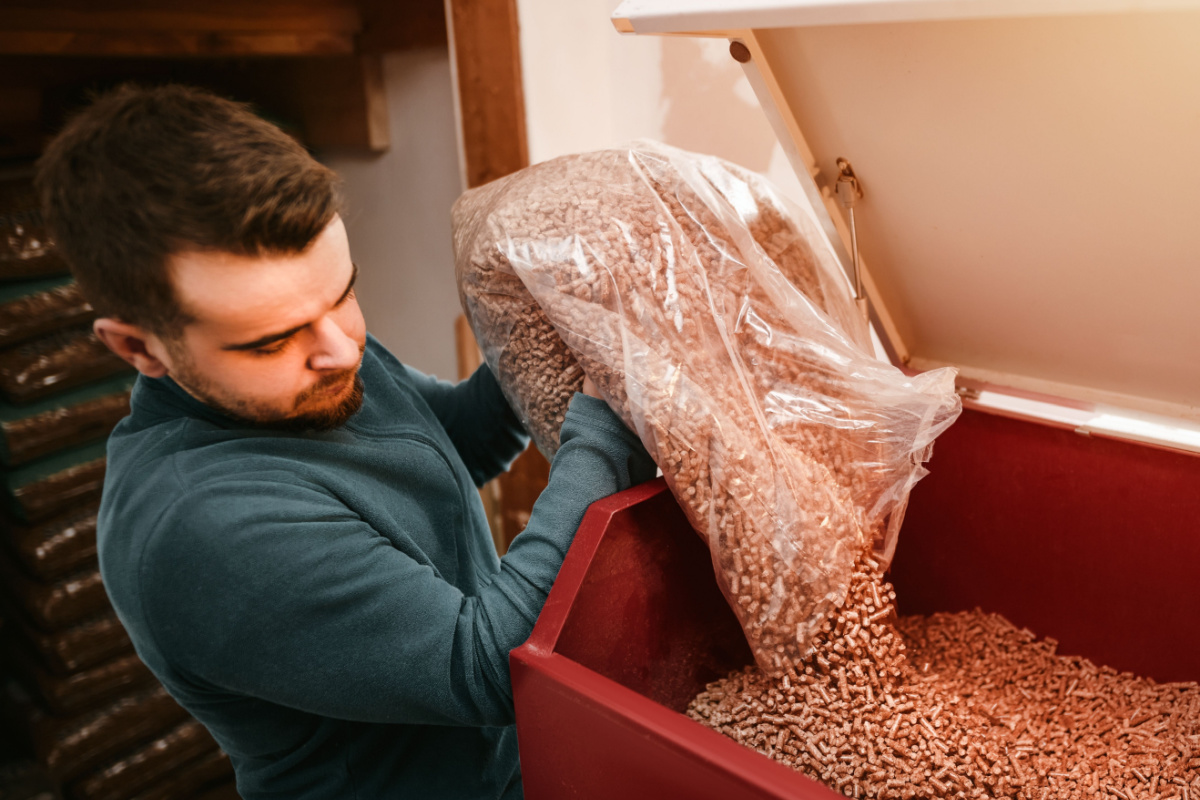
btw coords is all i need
(479, 421)
(298, 602)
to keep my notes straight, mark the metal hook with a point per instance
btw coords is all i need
(850, 192)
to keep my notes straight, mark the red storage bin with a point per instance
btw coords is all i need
(1028, 182)
(1089, 540)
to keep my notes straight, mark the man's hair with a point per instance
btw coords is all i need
(143, 174)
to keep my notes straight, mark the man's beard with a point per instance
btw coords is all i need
(247, 414)
(321, 419)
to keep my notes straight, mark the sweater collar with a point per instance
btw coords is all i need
(163, 397)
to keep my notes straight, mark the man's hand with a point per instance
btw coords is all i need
(590, 389)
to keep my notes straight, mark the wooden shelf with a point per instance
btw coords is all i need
(186, 29)
(180, 44)
(298, 16)
(313, 65)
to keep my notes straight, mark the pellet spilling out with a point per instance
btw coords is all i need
(713, 321)
(959, 705)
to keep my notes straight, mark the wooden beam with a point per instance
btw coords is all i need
(336, 101)
(388, 25)
(466, 348)
(342, 101)
(184, 17)
(187, 28)
(219, 27)
(485, 50)
(469, 360)
(178, 44)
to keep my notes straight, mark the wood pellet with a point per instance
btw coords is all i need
(683, 287)
(959, 705)
(685, 290)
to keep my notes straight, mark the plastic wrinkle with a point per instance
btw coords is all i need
(716, 321)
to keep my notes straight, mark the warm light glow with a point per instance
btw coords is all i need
(1105, 420)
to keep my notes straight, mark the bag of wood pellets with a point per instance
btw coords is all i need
(35, 308)
(26, 250)
(715, 320)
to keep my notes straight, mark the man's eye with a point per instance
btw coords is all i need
(272, 349)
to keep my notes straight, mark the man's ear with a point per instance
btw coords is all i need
(130, 343)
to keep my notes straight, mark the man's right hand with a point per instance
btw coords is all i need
(589, 388)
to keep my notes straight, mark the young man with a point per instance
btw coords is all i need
(290, 528)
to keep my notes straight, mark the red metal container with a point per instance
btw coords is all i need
(1029, 184)
(1092, 541)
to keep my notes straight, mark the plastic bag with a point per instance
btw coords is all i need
(63, 420)
(63, 360)
(34, 308)
(145, 768)
(46, 487)
(83, 645)
(25, 247)
(716, 321)
(83, 690)
(57, 547)
(70, 747)
(53, 607)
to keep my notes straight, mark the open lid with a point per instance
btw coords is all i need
(1030, 173)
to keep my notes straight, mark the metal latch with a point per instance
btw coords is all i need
(850, 192)
(968, 393)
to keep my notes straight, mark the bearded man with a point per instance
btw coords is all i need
(290, 529)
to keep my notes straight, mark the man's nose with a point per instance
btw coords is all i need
(334, 349)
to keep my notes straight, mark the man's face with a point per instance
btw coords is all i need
(276, 341)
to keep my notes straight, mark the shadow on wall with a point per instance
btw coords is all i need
(709, 106)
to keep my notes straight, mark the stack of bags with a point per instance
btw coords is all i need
(77, 696)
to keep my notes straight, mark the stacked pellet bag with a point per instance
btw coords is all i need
(80, 702)
(714, 319)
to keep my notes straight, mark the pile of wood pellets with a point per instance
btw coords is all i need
(682, 287)
(959, 705)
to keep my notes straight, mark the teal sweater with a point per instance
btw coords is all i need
(330, 605)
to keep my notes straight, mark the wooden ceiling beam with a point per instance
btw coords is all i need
(185, 28)
(389, 25)
(177, 44)
(245, 17)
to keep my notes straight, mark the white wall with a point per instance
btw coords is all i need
(398, 215)
(588, 87)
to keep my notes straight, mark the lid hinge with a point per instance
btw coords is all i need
(969, 393)
(849, 192)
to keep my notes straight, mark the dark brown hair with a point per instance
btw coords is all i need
(144, 173)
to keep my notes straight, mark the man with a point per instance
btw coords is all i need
(290, 528)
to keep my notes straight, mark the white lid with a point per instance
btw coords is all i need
(1030, 169)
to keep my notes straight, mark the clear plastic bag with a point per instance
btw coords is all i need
(714, 319)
